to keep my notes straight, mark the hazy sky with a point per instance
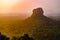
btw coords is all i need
(51, 7)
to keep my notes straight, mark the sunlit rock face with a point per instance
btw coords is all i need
(38, 12)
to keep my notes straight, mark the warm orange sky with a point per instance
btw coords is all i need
(14, 7)
(7, 6)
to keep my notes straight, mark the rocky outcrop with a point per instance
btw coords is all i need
(39, 25)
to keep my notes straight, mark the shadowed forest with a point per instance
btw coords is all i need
(36, 27)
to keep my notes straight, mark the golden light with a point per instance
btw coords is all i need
(10, 2)
(6, 5)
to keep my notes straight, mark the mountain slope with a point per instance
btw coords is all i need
(40, 25)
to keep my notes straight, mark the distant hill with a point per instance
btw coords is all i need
(40, 25)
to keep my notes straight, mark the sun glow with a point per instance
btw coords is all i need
(6, 5)
(10, 2)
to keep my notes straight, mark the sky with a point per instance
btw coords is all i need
(18, 7)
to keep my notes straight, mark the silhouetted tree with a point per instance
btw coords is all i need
(7, 38)
(25, 37)
(14, 38)
(2, 37)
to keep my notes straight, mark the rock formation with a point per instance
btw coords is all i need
(39, 25)
(38, 12)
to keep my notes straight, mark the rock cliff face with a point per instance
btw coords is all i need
(38, 12)
(38, 15)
